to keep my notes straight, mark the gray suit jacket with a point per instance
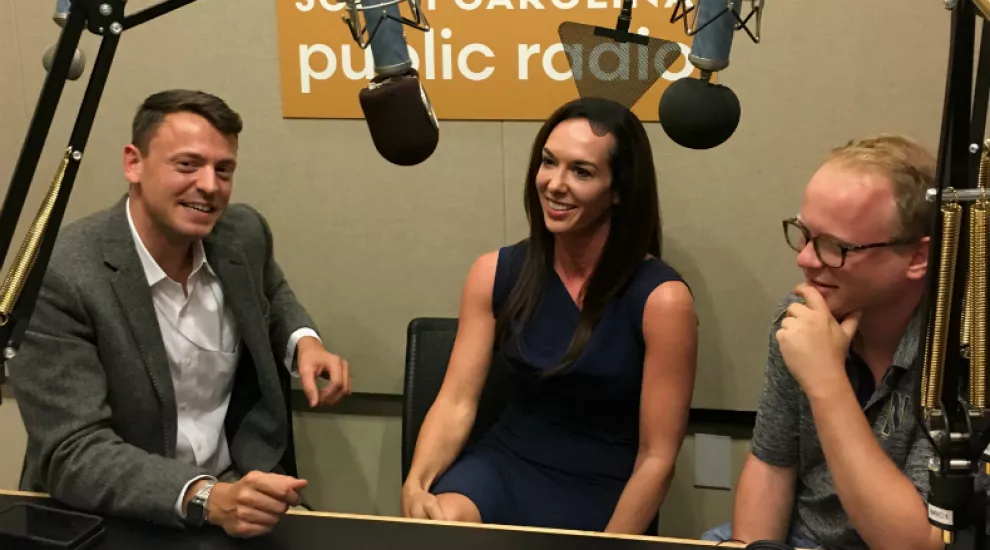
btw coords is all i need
(92, 377)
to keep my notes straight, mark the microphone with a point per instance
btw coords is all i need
(697, 113)
(78, 58)
(400, 118)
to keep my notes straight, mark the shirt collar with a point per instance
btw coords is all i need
(907, 349)
(152, 271)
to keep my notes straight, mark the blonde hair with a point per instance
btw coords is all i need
(909, 166)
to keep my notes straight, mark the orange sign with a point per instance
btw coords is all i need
(480, 60)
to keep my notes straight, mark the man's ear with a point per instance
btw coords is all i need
(918, 267)
(133, 163)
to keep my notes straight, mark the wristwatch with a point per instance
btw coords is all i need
(198, 505)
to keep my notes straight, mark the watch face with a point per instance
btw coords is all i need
(194, 512)
(196, 507)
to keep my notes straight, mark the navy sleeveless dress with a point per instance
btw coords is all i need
(563, 449)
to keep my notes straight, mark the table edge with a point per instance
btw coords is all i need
(399, 519)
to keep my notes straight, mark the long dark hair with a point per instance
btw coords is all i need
(634, 230)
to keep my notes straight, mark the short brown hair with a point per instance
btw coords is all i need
(157, 106)
(911, 169)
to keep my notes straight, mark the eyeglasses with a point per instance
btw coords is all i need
(830, 252)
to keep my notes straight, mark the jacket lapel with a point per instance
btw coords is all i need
(228, 261)
(134, 297)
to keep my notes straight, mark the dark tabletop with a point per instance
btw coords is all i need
(346, 533)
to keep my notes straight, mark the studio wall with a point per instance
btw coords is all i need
(367, 246)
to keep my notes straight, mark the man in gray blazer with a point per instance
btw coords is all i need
(150, 378)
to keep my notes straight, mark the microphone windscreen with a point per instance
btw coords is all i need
(697, 114)
(76, 67)
(401, 120)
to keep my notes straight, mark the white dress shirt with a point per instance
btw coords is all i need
(203, 347)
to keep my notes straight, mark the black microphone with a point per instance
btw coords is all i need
(400, 118)
(697, 113)
(78, 63)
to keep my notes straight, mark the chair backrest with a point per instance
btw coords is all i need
(429, 342)
(288, 461)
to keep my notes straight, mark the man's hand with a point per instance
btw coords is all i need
(315, 361)
(253, 505)
(813, 344)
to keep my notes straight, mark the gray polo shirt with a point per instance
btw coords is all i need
(785, 434)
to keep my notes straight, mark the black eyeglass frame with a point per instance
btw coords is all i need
(844, 249)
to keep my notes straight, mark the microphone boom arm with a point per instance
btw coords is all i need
(950, 383)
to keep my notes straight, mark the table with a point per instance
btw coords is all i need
(321, 530)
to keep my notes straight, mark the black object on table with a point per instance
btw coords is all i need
(305, 532)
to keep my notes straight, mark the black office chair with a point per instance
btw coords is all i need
(429, 342)
(288, 462)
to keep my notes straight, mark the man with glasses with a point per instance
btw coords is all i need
(837, 458)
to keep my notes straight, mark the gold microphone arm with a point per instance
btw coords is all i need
(973, 337)
(13, 283)
(984, 8)
(967, 313)
(935, 347)
(977, 302)
(951, 376)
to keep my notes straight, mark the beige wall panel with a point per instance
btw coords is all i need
(367, 245)
(689, 511)
(13, 115)
(352, 463)
(14, 440)
(517, 144)
(14, 110)
(824, 72)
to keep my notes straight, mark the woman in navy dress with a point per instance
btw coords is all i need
(600, 338)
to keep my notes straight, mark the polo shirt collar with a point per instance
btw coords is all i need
(907, 349)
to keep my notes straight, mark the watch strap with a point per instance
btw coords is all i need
(198, 506)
